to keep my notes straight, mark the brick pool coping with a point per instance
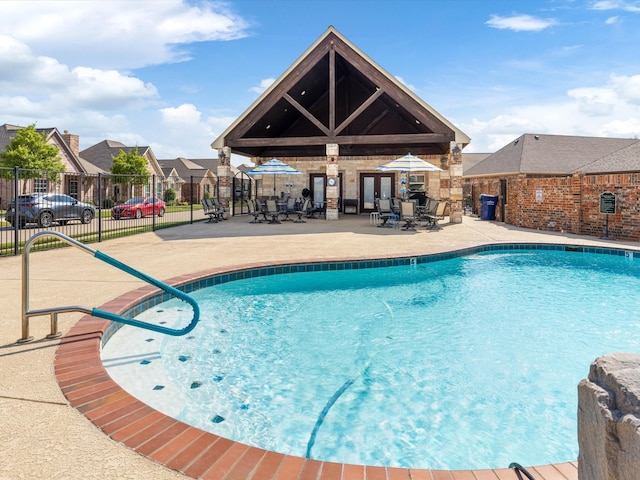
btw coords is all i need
(199, 454)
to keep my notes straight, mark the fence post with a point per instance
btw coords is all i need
(191, 197)
(16, 218)
(99, 207)
(153, 202)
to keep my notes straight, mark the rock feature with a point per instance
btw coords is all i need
(609, 419)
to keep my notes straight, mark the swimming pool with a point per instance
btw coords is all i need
(391, 371)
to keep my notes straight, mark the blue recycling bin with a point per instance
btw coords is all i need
(488, 207)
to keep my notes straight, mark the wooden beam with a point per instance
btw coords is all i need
(344, 140)
(306, 113)
(356, 113)
(332, 89)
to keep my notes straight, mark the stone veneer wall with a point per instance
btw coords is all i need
(568, 204)
(609, 419)
(351, 166)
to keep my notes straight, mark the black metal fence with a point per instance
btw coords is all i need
(82, 205)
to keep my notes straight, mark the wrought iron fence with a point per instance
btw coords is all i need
(93, 208)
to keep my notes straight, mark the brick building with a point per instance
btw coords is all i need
(555, 183)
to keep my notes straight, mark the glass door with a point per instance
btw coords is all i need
(375, 185)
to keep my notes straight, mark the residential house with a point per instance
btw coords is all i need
(101, 157)
(556, 182)
(75, 167)
(193, 178)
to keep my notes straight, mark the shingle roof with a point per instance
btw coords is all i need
(548, 155)
(101, 154)
(627, 159)
(184, 167)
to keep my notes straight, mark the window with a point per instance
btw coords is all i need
(40, 185)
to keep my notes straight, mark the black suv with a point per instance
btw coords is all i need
(47, 208)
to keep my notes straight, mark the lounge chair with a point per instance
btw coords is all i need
(408, 215)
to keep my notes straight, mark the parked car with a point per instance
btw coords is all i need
(139, 207)
(45, 209)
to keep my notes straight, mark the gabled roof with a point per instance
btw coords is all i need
(101, 155)
(335, 94)
(53, 137)
(547, 155)
(185, 168)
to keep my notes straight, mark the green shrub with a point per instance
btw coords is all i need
(108, 203)
(170, 196)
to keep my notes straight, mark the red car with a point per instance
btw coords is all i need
(139, 207)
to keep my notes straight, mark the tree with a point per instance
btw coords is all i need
(29, 151)
(130, 167)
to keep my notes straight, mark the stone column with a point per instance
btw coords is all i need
(455, 184)
(609, 419)
(332, 193)
(225, 181)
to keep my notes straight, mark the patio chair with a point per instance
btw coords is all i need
(311, 209)
(222, 212)
(436, 215)
(254, 210)
(384, 211)
(272, 211)
(395, 205)
(209, 208)
(302, 210)
(289, 209)
(408, 215)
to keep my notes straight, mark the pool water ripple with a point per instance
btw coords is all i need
(465, 363)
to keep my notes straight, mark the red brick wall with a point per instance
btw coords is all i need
(567, 204)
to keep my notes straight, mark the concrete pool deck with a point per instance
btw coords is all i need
(42, 436)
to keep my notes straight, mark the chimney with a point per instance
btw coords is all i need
(73, 141)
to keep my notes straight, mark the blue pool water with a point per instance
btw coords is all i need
(465, 363)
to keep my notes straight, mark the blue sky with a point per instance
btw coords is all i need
(173, 74)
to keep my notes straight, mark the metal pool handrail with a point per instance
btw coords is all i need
(26, 313)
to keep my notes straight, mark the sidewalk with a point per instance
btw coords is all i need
(42, 437)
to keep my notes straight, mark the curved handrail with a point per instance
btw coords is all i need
(26, 313)
(520, 469)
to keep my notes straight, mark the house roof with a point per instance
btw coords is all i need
(185, 168)
(548, 155)
(626, 159)
(101, 155)
(335, 94)
(471, 159)
(53, 137)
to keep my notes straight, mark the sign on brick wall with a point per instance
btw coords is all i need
(608, 203)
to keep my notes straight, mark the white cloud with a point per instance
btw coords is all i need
(611, 109)
(520, 23)
(629, 128)
(627, 88)
(264, 84)
(185, 121)
(52, 85)
(594, 101)
(129, 34)
(612, 20)
(616, 5)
